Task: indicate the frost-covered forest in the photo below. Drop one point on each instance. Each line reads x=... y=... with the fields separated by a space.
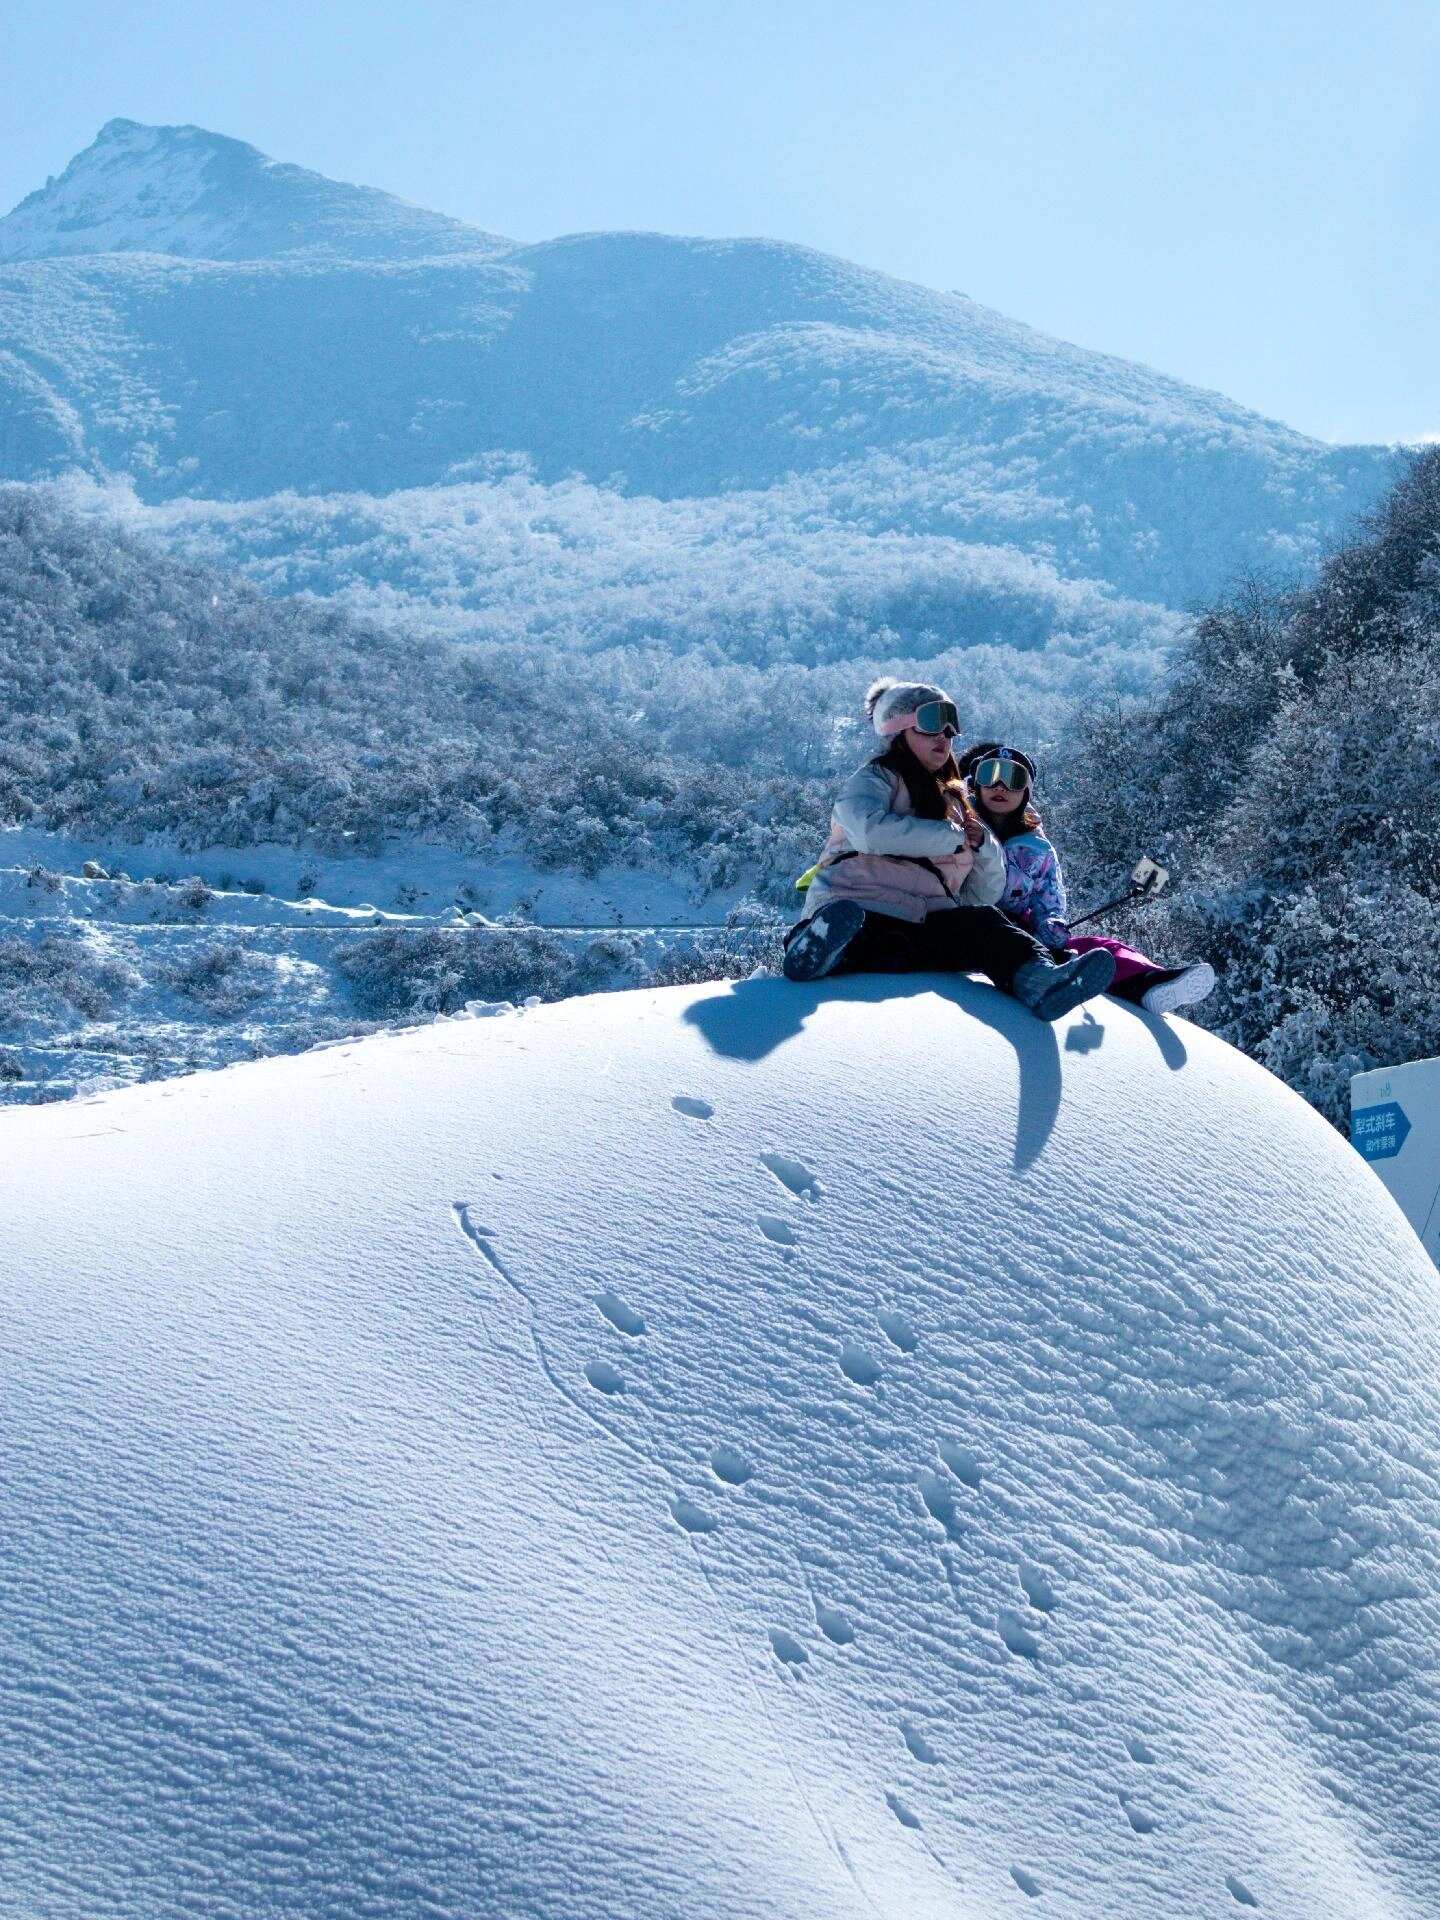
x=1290 y=775
x=142 y=696
x=802 y=572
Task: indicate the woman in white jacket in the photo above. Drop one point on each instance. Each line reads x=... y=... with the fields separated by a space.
x=909 y=878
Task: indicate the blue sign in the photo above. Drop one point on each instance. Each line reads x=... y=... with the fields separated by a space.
x=1379 y=1132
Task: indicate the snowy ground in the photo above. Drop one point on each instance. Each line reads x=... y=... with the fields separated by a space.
x=183 y=960
x=409 y=880
x=727 y=1451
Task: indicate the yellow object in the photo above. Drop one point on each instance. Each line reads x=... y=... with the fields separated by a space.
x=809 y=874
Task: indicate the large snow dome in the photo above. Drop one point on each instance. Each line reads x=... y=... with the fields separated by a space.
x=731 y=1451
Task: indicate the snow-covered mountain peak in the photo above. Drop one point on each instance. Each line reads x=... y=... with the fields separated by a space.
x=201 y=195
x=651 y=365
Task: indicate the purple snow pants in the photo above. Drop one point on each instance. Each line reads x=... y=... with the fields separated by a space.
x=1130 y=965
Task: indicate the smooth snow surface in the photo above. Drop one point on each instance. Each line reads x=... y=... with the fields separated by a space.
x=729 y=1451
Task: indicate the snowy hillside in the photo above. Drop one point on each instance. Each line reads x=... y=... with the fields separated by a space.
x=171 y=964
x=645 y=364
x=181 y=190
x=722 y=1452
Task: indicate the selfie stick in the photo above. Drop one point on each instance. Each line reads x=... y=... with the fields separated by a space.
x=1146 y=880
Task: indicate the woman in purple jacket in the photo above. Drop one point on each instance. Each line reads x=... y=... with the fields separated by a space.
x=999 y=781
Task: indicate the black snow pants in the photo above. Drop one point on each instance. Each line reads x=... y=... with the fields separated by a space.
x=950 y=940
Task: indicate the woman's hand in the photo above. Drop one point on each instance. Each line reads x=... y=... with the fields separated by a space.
x=974 y=833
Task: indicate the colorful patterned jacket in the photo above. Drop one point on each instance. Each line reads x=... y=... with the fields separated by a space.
x=1035 y=889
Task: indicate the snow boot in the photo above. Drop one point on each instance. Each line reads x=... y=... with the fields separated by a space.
x=817 y=944
x=1179 y=987
x=1051 y=991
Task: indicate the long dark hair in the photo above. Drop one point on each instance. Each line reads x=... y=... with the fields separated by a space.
x=1004 y=826
x=932 y=795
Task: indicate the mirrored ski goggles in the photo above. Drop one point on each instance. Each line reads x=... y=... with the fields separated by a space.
x=1001 y=773
x=937 y=716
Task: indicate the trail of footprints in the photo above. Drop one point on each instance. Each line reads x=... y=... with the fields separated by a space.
x=729 y=1466
x=860 y=1366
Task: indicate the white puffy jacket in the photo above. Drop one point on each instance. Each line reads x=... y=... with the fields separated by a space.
x=883 y=855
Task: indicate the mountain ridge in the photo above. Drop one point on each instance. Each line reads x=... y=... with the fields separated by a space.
x=190 y=193
x=645 y=364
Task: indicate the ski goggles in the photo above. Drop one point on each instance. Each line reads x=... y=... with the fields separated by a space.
x=998 y=772
x=936 y=716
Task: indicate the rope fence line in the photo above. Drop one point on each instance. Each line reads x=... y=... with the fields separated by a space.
x=403 y=926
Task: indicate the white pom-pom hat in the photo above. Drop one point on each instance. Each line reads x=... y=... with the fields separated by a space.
x=892 y=704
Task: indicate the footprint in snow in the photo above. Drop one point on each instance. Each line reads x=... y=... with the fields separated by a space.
x=920 y=1747
x=961 y=1462
x=1239 y=1891
x=1017 y=1638
x=1038 y=1590
x=901 y=1812
x=1026 y=1882
x=778 y=1230
x=730 y=1466
x=603 y=1377
x=833 y=1624
x=692 y=1518
x=624 y=1319
x=1138 y=1751
x=898 y=1332
x=792 y=1174
x=1141 y=1822
x=857 y=1365
x=940 y=1505
x=691 y=1108
x=786 y=1648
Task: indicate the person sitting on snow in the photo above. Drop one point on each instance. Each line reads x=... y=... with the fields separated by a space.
x=1000 y=782
x=909 y=877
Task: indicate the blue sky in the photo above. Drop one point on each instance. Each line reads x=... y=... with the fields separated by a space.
x=1244 y=196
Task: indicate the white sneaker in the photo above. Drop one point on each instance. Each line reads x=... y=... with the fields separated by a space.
x=1182 y=987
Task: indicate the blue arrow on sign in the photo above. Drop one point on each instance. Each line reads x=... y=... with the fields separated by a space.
x=1379 y=1132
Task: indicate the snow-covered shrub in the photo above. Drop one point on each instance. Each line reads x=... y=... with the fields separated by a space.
x=225 y=980
x=607 y=963
x=193 y=894
x=571 y=837
x=49 y=981
x=732 y=954
x=404 y=972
